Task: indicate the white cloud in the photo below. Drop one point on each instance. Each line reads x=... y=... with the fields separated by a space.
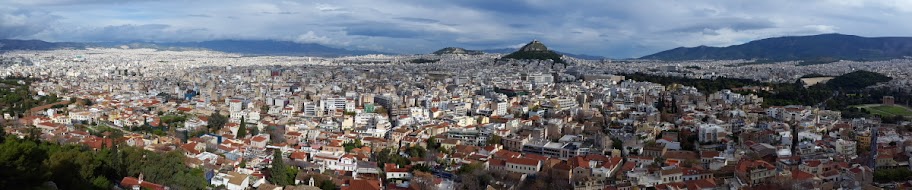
x=611 y=28
x=311 y=37
x=18 y=23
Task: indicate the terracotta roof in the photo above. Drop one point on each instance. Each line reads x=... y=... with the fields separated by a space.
x=129 y=182
x=830 y=173
x=299 y=155
x=801 y=175
x=672 y=185
x=672 y=171
x=745 y=165
x=523 y=161
x=190 y=147
x=389 y=167
x=535 y=157
x=612 y=162
x=628 y=166
x=578 y=161
x=259 y=138
x=701 y=184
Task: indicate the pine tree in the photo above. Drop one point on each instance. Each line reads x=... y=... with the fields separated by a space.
x=242 y=130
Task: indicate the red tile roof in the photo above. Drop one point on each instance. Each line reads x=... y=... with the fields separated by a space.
x=299 y=155
x=389 y=167
x=701 y=184
x=612 y=162
x=497 y=162
x=523 y=161
x=628 y=166
x=259 y=138
x=190 y=147
x=578 y=161
x=129 y=182
x=536 y=157
x=801 y=175
x=746 y=165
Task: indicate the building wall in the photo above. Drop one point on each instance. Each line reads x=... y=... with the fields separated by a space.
x=524 y=169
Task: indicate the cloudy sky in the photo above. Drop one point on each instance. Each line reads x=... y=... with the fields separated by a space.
x=617 y=29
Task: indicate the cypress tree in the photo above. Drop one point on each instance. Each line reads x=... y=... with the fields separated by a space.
x=242 y=130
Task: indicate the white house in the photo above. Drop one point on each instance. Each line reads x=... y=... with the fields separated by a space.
x=231 y=180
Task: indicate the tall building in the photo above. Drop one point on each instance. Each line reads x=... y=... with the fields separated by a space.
x=500 y=108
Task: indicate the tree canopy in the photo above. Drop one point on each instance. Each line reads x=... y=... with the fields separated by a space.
x=279 y=173
x=30 y=163
x=216 y=121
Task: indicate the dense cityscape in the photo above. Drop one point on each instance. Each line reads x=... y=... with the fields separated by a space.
x=452 y=121
x=455 y=95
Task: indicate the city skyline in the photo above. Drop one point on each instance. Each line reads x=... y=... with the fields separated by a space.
x=616 y=30
x=363 y=95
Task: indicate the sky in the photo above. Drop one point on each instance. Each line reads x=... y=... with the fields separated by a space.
x=611 y=28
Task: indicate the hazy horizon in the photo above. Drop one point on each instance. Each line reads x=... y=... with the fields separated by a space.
x=611 y=29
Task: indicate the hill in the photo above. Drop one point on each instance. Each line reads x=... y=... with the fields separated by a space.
x=810 y=48
x=856 y=80
x=267 y=47
x=9 y=45
x=535 y=50
x=248 y=47
x=457 y=51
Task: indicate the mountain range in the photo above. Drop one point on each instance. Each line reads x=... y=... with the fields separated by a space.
x=247 y=47
x=814 y=47
x=457 y=51
x=8 y=45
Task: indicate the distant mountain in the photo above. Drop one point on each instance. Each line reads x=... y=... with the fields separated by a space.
x=249 y=47
x=815 y=48
x=9 y=45
x=457 y=51
x=535 y=50
x=268 y=47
